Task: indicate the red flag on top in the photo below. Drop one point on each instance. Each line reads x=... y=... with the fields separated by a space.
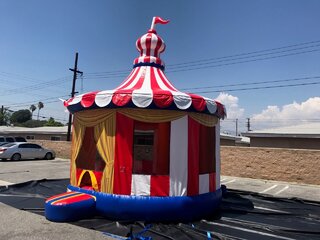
x=160 y=20
x=157 y=20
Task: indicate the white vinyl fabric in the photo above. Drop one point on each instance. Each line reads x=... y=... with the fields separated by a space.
x=179 y=157
x=140 y=185
x=203 y=183
x=218 y=155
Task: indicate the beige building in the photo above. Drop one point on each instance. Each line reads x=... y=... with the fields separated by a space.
x=306 y=136
x=60 y=134
x=39 y=133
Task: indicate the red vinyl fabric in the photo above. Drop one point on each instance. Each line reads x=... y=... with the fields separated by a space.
x=212 y=182
x=193 y=156
x=123 y=155
x=159 y=186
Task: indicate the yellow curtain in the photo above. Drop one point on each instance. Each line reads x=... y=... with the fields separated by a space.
x=77 y=136
x=94 y=117
x=104 y=134
x=204 y=119
x=150 y=115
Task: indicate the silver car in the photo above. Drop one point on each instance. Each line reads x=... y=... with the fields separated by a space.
x=23 y=150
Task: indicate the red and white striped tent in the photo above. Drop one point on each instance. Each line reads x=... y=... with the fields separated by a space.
x=146 y=138
x=147 y=86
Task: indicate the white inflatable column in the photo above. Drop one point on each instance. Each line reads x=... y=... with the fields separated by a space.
x=179 y=157
x=218 y=162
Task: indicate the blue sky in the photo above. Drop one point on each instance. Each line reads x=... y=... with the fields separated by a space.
x=38 y=41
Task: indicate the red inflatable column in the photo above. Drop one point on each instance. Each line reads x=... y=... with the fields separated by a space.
x=123 y=155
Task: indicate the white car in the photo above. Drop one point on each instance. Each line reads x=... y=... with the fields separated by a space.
x=24 y=150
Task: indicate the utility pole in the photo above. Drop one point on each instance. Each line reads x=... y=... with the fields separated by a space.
x=248 y=125
x=2 y=116
x=75 y=71
x=236 y=126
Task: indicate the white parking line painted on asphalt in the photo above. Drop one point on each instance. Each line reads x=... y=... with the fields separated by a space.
x=283 y=189
x=268 y=189
x=223 y=179
x=269 y=209
x=233 y=180
x=4 y=183
x=248 y=230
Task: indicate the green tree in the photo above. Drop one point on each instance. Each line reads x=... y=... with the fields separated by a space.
x=34 y=123
x=40 y=105
x=53 y=123
x=32 y=109
x=20 y=116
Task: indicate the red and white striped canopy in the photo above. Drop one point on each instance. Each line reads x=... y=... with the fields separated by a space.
x=147 y=87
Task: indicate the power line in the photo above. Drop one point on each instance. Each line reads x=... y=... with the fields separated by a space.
x=40 y=100
x=257 y=88
x=55 y=118
x=254 y=83
x=203 y=66
x=184 y=66
x=211 y=91
x=19 y=76
x=248 y=53
x=198 y=65
x=268 y=119
x=34 y=86
x=240 y=58
x=229 y=58
x=123 y=73
x=239 y=62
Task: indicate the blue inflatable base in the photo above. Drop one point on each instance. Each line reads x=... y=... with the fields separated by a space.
x=155 y=209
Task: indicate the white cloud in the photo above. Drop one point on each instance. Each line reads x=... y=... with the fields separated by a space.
x=290 y=114
x=231 y=104
x=234 y=111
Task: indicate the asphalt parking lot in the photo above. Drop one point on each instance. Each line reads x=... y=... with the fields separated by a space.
x=12 y=172
x=273 y=188
x=18 y=224
x=26 y=170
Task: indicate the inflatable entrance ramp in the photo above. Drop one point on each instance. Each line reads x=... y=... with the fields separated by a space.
x=70 y=206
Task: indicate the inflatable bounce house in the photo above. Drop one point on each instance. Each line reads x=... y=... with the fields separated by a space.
x=144 y=150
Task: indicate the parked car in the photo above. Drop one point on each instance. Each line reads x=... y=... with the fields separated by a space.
x=19 y=139
x=8 y=139
x=16 y=151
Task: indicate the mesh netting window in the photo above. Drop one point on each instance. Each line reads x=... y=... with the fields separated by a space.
x=207 y=158
x=151 y=143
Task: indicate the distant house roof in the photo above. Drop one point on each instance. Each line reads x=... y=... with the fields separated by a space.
x=37 y=130
x=244 y=140
x=229 y=137
x=309 y=130
x=239 y=140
